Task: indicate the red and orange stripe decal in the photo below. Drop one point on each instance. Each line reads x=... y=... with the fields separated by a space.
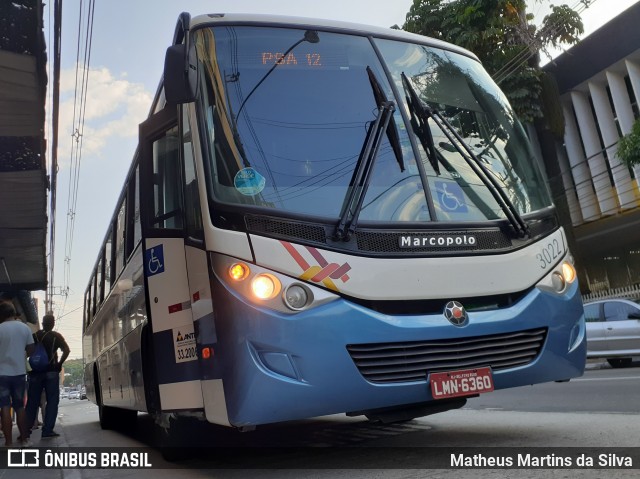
x=324 y=272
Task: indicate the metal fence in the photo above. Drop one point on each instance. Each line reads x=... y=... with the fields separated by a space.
x=626 y=292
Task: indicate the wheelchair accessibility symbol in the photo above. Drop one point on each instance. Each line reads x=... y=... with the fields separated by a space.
x=154 y=260
x=451 y=197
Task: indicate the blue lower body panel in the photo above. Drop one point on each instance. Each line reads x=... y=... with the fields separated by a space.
x=278 y=367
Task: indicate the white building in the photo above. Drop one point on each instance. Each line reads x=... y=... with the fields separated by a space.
x=599 y=82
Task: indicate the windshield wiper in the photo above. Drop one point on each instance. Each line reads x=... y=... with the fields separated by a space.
x=519 y=225
x=420 y=123
x=392 y=128
x=362 y=174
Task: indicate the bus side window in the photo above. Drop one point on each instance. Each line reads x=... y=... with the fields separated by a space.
x=100 y=279
x=108 y=261
x=167 y=209
x=192 y=210
x=120 y=229
x=87 y=307
x=137 y=231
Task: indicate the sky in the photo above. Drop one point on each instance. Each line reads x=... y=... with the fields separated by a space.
x=126 y=58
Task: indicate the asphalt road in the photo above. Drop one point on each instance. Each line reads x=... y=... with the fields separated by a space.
x=602 y=390
x=598 y=411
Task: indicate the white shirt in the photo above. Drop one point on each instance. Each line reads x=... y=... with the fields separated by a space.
x=14 y=337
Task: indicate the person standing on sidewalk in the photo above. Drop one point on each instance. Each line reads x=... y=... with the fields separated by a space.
x=16 y=341
x=48 y=380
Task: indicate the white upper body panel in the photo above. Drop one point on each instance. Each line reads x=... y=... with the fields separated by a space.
x=412 y=278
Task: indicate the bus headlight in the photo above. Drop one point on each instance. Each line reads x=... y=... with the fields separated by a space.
x=558 y=280
x=568 y=272
x=239 y=271
x=296 y=297
x=265 y=286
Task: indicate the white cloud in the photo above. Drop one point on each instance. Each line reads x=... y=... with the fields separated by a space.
x=112 y=111
x=114 y=108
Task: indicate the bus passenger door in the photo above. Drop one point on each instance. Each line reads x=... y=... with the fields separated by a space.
x=172 y=356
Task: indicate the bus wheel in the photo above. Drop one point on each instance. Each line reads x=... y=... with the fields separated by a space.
x=174 y=436
x=114 y=417
x=107 y=416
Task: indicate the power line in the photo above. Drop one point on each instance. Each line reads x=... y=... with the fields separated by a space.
x=83 y=50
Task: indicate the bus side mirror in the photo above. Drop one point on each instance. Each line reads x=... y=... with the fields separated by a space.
x=180 y=74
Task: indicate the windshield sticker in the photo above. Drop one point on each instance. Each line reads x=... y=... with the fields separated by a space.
x=451 y=197
x=249 y=182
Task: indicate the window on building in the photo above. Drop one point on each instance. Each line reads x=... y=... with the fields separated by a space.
x=632 y=97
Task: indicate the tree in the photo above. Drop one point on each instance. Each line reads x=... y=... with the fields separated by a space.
x=508 y=43
x=73 y=372
x=629 y=146
x=502 y=35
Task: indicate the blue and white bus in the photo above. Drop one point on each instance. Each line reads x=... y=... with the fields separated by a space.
x=324 y=217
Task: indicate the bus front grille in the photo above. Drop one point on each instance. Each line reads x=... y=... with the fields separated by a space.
x=413 y=361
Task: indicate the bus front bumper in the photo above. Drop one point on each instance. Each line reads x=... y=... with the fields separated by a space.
x=276 y=367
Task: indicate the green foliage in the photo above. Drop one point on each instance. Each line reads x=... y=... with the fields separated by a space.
x=629 y=146
x=502 y=35
x=561 y=26
x=73 y=372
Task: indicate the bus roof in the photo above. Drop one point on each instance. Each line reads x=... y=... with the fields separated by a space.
x=304 y=22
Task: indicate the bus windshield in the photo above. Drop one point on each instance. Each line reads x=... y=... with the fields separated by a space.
x=288 y=112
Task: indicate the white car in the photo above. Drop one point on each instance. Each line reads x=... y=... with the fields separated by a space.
x=74 y=394
x=613 y=330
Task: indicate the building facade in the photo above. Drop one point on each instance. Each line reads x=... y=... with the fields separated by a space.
x=599 y=84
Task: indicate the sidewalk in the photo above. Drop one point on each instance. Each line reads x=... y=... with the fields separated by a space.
x=36 y=438
x=37 y=441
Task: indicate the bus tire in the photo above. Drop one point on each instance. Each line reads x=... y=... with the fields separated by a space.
x=113 y=417
x=117 y=418
x=107 y=417
x=174 y=437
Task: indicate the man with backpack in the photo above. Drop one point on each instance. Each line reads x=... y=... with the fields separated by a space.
x=46 y=377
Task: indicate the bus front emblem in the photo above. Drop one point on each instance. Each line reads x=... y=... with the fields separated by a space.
x=455 y=313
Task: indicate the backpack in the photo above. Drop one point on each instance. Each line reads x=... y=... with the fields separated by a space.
x=39 y=360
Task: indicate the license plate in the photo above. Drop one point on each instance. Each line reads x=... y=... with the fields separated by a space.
x=468 y=382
